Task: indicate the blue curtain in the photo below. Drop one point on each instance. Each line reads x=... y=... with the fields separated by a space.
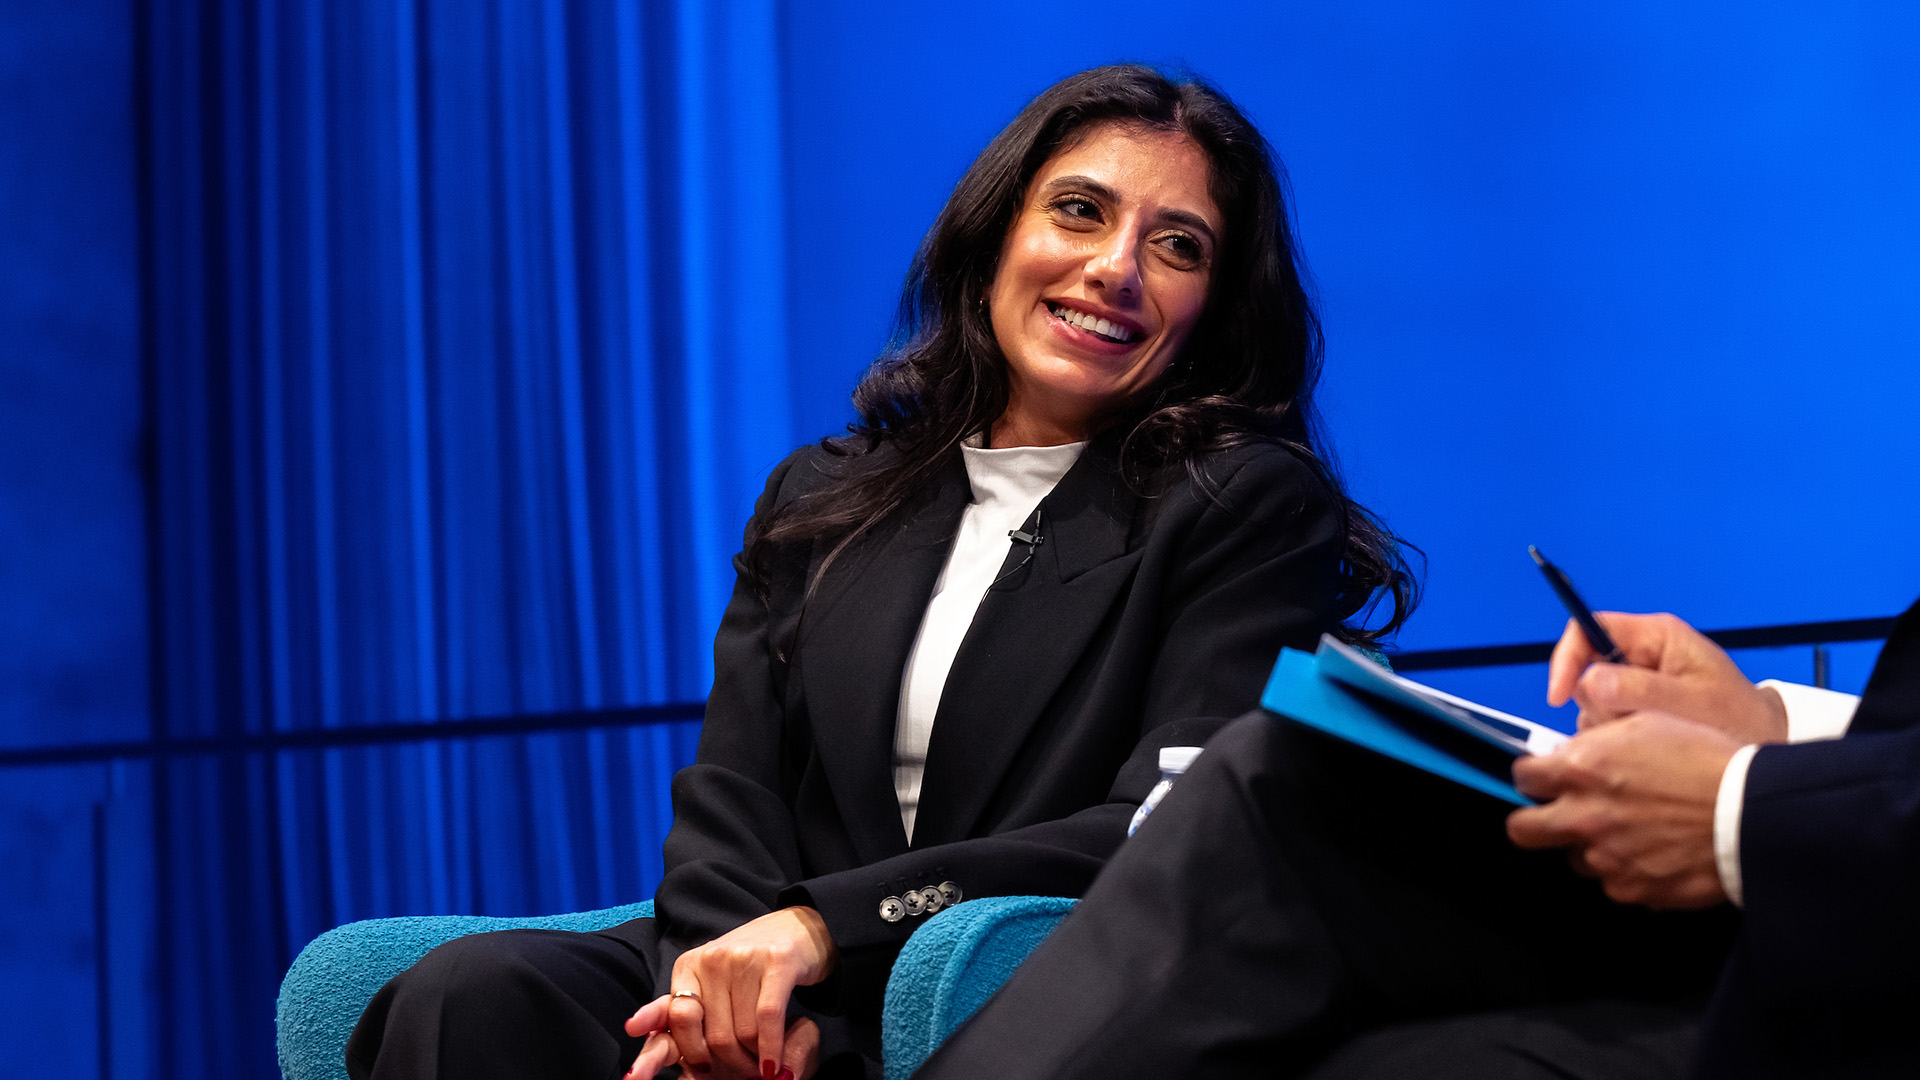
x=466 y=346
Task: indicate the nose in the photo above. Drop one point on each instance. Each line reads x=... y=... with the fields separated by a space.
x=1114 y=268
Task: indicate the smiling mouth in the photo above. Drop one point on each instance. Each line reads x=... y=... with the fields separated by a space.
x=1094 y=325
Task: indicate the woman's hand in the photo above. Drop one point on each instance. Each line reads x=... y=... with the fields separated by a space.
x=726 y=1011
x=800 y=1052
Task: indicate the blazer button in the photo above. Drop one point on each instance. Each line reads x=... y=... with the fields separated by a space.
x=913 y=901
x=934 y=898
x=949 y=892
x=892 y=910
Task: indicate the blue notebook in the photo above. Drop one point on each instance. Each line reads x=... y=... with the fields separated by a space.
x=1339 y=691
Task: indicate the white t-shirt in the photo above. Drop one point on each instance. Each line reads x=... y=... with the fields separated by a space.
x=1007 y=485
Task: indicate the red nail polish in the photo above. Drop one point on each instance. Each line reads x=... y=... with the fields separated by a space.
x=784 y=1074
x=767 y=1070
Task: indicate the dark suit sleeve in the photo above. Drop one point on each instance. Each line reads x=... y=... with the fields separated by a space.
x=1830 y=862
x=1247 y=568
x=732 y=845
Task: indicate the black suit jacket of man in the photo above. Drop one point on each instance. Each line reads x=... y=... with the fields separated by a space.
x=1138 y=621
x=1825 y=980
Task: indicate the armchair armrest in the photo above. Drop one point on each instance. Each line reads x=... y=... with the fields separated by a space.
x=952 y=965
x=334 y=977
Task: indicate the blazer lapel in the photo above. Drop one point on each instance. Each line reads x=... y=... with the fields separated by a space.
x=854 y=639
x=1029 y=632
x=1892 y=695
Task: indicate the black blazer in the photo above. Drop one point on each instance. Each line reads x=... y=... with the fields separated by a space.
x=1138 y=622
x=1825 y=980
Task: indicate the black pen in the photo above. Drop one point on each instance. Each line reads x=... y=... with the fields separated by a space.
x=1590 y=626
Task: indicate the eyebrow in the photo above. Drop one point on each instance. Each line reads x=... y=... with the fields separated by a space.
x=1101 y=191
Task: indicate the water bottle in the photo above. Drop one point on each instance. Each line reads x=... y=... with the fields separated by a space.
x=1173 y=761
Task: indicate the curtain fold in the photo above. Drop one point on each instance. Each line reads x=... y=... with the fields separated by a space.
x=467 y=356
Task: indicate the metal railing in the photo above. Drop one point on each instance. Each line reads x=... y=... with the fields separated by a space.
x=1785 y=635
x=1817 y=634
x=351 y=735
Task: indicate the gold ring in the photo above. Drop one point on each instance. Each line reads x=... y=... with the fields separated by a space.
x=687 y=994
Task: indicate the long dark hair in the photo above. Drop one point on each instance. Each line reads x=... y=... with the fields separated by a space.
x=1246 y=374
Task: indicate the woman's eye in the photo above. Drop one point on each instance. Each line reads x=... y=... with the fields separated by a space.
x=1075 y=207
x=1184 y=249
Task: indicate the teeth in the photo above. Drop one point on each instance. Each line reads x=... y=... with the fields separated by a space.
x=1092 y=324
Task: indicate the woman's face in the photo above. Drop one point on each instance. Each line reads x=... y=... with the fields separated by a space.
x=1102 y=277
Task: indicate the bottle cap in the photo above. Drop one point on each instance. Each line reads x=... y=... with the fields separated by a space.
x=1175 y=759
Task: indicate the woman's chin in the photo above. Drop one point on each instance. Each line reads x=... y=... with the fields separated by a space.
x=1095 y=390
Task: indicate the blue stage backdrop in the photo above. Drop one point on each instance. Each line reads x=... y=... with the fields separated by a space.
x=468 y=352
x=465 y=333
x=73 y=591
x=1634 y=283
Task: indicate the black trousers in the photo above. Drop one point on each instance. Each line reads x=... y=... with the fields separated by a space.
x=528 y=1004
x=542 y=1005
x=1298 y=904
x=1592 y=1040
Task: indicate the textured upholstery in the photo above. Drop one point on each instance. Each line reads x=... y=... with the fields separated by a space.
x=952 y=965
x=335 y=976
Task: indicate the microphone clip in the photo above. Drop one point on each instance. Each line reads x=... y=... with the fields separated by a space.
x=1032 y=539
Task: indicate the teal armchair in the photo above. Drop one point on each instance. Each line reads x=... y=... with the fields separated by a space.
x=948 y=969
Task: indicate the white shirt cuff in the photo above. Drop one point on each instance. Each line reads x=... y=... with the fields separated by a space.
x=1813 y=713
x=1726 y=823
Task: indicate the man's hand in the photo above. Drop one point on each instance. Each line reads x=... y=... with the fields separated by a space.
x=726 y=1013
x=1671 y=668
x=1634 y=801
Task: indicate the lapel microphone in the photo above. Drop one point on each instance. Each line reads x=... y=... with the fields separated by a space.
x=1033 y=539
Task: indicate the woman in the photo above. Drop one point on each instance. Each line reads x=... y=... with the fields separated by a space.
x=1080 y=514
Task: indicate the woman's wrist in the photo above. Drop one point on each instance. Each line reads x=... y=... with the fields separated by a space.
x=816 y=929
